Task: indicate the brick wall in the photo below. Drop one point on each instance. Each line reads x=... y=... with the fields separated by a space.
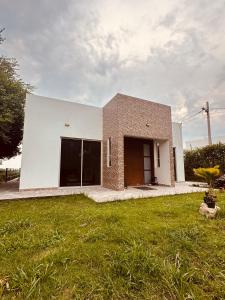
x=129 y=116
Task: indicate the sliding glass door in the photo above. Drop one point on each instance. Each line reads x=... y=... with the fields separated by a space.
x=91 y=163
x=70 y=162
x=80 y=162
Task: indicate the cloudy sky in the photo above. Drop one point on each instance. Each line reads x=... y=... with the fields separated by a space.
x=168 y=51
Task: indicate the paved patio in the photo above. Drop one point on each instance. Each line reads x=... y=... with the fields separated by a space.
x=98 y=194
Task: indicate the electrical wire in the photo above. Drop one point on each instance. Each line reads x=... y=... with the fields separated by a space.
x=191 y=116
x=188 y=114
x=217 y=113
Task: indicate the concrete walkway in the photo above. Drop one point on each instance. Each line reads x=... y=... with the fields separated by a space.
x=100 y=194
x=105 y=195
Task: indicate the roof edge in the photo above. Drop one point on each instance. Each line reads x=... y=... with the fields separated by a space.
x=136 y=98
x=62 y=100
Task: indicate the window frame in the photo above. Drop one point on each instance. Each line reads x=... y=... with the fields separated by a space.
x=109 y=152
x=158 y=155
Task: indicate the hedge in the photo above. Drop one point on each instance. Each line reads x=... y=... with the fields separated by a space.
x=204 y=157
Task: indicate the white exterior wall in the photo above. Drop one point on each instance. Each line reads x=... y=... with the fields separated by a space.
x=163 y=172
x=178 y=144
x=44 y=125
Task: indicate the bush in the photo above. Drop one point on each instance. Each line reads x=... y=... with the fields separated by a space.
x=204 y=157
x=220 y=182
x=208 y=174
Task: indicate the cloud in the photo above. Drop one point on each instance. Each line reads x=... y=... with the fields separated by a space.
x=169 y=51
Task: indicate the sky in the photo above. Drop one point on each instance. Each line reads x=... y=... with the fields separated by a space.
x=167 y=51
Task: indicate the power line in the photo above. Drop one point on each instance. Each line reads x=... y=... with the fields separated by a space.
x=187 y=115
x=187 y=118
x=217 y=108
x=208 y=111
x=218 y=111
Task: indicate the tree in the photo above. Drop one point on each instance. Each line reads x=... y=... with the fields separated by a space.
x=1 y=38
x=12 y=98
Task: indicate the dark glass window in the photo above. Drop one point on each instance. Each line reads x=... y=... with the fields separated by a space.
x=175 y=163
x=80 y=162
x=147 y=163
x=91 y=163
x=158 y=155
x=70 y=173
x=109 y=152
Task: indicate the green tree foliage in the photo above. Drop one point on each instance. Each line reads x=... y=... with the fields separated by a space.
x=205 y=157
x=12 y=98
x=1 y=37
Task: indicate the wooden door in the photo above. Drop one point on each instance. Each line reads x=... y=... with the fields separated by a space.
x=133 y=162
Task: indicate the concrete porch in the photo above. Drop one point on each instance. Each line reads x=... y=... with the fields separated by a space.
x=100 y=194
x=106 y=195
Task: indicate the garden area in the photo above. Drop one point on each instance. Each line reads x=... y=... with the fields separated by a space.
x=73 y=248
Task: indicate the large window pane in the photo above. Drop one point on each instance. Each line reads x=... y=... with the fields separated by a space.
x=146 y=150
x=147 y=177
x=147 y=163
x=91 y=163
x=70 y=173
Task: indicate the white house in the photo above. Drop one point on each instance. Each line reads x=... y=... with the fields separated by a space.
x=129 y=141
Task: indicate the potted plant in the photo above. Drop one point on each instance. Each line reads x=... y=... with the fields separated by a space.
x=209 y=175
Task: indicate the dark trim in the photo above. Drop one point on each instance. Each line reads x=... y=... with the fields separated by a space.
x=175 y=163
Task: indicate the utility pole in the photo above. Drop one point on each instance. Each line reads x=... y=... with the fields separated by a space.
x=206 y=109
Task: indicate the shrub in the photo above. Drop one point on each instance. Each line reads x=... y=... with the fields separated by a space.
x=205 y=157
x=208 y=174
x=220 y=182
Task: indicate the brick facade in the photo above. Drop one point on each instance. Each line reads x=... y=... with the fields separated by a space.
x=133 y=117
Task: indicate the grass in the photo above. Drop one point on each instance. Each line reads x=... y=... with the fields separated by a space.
x=72 y=248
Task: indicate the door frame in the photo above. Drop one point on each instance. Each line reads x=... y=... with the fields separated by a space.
x=82 y=141
x=152 y=155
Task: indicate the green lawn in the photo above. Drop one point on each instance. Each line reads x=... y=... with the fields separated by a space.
x=72 y=248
